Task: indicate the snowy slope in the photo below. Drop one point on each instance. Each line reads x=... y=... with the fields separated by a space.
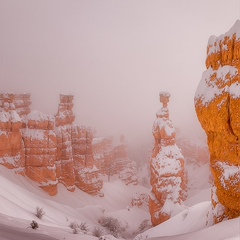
x=19 y=198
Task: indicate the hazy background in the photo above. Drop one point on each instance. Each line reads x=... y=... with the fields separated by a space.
x=114 y=56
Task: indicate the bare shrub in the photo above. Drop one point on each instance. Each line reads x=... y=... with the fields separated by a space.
x=113 y=225
x=83 y=227
x=144 y=225
x=34 y=225
x=75 y=227
x=97 y=232
x=39 y=212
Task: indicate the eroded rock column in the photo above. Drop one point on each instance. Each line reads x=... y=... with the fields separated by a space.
x=64 y=163
x=167 y=166
x=11 y=144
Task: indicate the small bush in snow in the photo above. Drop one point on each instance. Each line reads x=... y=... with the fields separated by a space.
x=97 y=232
x=34 y=224
x=102 y=238
x=83 y=227
x=113 y=225
x=75 y=227
x=39 y=212
x=144 y=225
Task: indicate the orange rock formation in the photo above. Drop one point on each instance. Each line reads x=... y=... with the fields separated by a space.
x=47 y=149
x=113 y=160
x=217 y=101
x=11 y=144
x=85 y=170
x=104 y=155
x=40 y=151
x=64 y=120
x=168 y=176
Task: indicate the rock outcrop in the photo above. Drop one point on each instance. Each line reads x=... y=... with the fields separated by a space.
x=40 y=146
x=64 y=163
x=217 y=101
x=85 y=170
x=104 y=155
x=167 y=166
x=11 y=144
x=51 y=150
x=113 y=160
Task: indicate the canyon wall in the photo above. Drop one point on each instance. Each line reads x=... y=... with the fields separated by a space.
x=49 y=150
x=217 y=102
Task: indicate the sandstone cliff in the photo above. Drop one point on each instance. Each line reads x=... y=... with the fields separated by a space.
x=49 y=150
x=40 y=151
x=167 y=166
x=217 y=102
x=85 y=170
x=11 y=144
x=64 y=163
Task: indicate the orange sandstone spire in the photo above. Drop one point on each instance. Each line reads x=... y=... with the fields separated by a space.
x=168 y=176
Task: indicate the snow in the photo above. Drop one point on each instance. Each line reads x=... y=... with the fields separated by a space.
x=209 y=88
x=38 y=116
x=229 y=173
x=214 y=42
x=10 y=116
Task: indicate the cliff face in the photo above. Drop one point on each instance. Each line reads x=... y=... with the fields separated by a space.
x=64 y=120
x=167 y=166
x=104 y=155
x=11 y=144
x=217 y=101
x=49 y=150
x=40 y=151
x=85 y=170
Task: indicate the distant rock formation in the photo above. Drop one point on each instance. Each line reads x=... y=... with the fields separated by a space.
x=192 y=151
x=167 y=166
x=217 y=102
x=113 y=160
x=85 y=169
x=104 y=155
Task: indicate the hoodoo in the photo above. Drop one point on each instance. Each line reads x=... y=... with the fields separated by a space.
x=167 y=166
x=217 y=102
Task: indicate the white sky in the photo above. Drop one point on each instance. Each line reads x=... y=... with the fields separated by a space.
x=114 y=56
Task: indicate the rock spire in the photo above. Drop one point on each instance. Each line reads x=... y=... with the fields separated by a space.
x=167 y=166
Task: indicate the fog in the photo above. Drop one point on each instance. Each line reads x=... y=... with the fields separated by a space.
x=113 y=56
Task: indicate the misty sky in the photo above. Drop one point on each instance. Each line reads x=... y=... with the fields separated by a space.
x=114 y=56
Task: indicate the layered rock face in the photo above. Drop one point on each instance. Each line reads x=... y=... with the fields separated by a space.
x=75 y=160
x=167 y=166
x=85 y=170
x=64 y=163
x=11 y=144
x=217 y=102
x=104 y=155
x=40 y=151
